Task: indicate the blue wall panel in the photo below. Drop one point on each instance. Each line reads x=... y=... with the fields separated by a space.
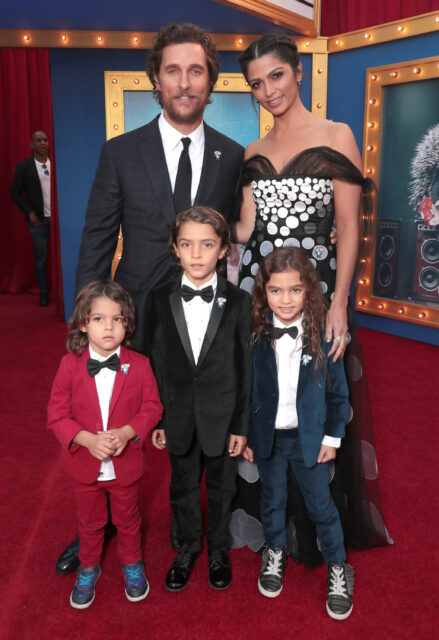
x=346 y=90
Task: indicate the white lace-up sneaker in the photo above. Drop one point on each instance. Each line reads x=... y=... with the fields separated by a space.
x=340 y=588
x=271 y=577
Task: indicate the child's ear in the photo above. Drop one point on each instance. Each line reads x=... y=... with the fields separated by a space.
x=222 y=252
x=175 y=249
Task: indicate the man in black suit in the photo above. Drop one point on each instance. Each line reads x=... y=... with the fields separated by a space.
x=135 y=180
x=30 y=191
x=139 y=185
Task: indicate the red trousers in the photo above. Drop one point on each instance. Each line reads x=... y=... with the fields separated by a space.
x=91 y=502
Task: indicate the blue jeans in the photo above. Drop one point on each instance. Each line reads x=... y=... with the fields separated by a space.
x=40 y=243
x=314 y=485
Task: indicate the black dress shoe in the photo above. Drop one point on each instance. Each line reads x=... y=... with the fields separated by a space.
x=220 y=571
x=178 y=575
x=44 y=300
x=68 y=562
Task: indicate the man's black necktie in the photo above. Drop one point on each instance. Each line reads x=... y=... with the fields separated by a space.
x=187 y=293
x=278 y=332
x=183 y=180
x=94 y=366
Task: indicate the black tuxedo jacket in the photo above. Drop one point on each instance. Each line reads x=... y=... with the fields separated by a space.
x=132 y=188
x=26 y=188
x=210 y=398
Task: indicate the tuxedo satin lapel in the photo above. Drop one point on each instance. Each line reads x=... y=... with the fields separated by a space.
x=180 y=321
x=306 y=368
x=90 y=385
x=119 y=380
x=218 y=307
x=153 y=155
x=211 y=166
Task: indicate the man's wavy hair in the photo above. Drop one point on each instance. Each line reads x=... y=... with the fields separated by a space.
x=203 y=215
x=180 y=34
x=77 y=340
x=314 y=311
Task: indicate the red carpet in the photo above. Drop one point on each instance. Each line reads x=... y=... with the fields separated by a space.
x=396 y=592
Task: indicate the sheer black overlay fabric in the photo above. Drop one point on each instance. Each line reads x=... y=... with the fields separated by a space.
x=295 y=208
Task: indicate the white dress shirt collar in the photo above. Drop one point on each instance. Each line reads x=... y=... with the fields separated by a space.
x=98 y=357
x=171 y=137
x=213 y=282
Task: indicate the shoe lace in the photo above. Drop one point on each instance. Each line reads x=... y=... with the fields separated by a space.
x=85 y=581
x=183 y=559
x=337 y=582
x=274 y=563
x=134 y=575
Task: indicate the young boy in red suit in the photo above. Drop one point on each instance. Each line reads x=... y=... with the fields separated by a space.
x=103 y=403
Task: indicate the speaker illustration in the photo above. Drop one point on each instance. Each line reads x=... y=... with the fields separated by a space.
x=426 y=267
x=386 y=257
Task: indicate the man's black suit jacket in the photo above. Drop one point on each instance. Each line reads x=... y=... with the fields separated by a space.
x=132 y=188
x=26 y=181
x=210 y=398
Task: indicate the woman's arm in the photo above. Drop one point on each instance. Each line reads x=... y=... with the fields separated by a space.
x=347 y=205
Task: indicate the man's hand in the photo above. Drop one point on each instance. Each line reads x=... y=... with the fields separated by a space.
x=34 y=219
x=248 y=454
x=120 y=437
x=158 y=439
x=326 y=453
x=236 y=445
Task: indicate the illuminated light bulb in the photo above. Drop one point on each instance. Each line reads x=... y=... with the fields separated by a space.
x=337 y=42
x=225 y=82
x=63 y=38
x=381 y=306
x=307 y=43
x=374 y=77
x=371 y=125
x=135 y=39
x=369 y=147
x=115 y=104
x=114 y=81
x=240 y=41
x=136 y=81
x=421 y=315
x=401 y=310
x=320 y=70
x=437 y=19
x=99 y=39
x=416 y=70
x=362 y=303
x=363 y=281
x=319 y=105
x=372 y=101
x=363 y=260
x=367 y=36
x=116 y=126
x=26 y=38
x=120 y=236
x=267 y=127
x=119 y=257
x=393 y=74
x=370 y=171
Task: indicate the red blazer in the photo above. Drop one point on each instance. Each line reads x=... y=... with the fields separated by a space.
x=74 y=405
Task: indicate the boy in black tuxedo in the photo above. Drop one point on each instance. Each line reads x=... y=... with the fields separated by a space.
x=197 y=335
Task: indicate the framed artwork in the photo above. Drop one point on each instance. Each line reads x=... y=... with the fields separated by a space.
x=398 y=274
x=302 y=16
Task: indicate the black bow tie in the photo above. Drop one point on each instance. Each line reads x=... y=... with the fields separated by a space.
x=187 y=293
x=94 y=366
x=277 y=332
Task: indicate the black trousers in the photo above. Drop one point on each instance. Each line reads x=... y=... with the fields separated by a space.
x=184 y=495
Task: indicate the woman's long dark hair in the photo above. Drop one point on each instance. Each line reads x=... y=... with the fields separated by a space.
x=314 y=311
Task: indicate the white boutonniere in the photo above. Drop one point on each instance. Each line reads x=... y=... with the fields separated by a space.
x=220 y=302
x=125 y=368
x=305 y=359
x=217 y=154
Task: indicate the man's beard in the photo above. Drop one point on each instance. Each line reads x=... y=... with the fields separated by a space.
x=187 y=117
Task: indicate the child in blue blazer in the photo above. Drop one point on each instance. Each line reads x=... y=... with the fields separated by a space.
x=299 y=405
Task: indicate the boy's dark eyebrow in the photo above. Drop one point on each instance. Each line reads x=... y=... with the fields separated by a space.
x=202 y=239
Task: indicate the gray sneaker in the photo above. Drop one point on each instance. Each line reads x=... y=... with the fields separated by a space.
x=340 y=588
x=271 y=577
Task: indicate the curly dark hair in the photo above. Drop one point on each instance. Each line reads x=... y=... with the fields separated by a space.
x=77 y=340
x=203 y=215
x=279 y=45
x=314 y=311
x=179 y=34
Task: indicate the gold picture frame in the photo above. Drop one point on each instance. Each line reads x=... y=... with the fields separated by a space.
x=404 y=308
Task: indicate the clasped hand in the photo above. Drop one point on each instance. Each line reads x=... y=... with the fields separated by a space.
x=110 y=443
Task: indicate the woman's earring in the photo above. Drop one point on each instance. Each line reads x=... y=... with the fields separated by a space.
x=299 y=83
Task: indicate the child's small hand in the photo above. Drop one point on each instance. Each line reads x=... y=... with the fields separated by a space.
x=120 y=438
x=236 y=445
x=158 y=438
x=326 y=453
x=100 y=445
x=248 y=454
